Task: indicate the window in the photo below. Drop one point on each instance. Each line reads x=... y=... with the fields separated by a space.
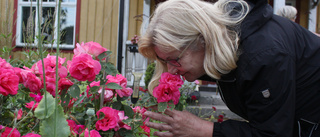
x=27 y=23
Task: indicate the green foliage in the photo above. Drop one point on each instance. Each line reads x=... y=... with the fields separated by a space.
x=149 y=73
x=47 y=126
x=45 y=108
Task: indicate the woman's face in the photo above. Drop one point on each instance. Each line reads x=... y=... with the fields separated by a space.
x=191 y=62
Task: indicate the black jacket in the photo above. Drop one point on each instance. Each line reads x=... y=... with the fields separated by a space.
x=276 y=86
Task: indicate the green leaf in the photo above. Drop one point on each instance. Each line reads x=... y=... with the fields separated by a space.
x=47 y=125
x=117 y=105
x=113 y=86
x=126 y=133
x=162 y=106
x=171 y=106
x=111 y=69
x=65 y=99
x=121 y=98
x=128 y=111
x=74 y=91
x=104 y=55
x=94 y=90
x=41 y=112
x=79 y=100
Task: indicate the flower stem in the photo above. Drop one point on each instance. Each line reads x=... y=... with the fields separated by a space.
x=41 y=56
x=57 y=76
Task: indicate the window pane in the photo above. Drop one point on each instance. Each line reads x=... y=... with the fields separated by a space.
x=52 y=0
x=44 y=0
x=67 y=17
x=25 y=0
x=47 y=24
x=27 y=25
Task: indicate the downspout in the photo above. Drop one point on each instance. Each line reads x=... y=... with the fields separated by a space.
x=125 y=35
x=120 y=35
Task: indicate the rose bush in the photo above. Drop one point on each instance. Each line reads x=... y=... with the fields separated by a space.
x=92 y=97
x=28 y=97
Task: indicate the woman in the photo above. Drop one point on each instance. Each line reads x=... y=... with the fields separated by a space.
x=267 y=67
x=288 y=12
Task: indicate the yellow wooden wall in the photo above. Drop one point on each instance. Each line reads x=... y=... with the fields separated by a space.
x=99 y=23
x=6 y=19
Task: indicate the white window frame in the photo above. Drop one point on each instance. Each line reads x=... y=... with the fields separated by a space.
x=65 y=3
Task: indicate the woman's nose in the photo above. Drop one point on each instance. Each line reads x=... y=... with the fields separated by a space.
x=172 y=69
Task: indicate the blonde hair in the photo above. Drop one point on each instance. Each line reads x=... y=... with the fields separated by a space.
x=175 y=23
x=288 y=12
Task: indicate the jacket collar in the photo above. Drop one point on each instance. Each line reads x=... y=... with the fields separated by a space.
x=260 y=12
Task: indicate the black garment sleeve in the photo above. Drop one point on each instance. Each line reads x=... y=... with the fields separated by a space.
x=270 y=71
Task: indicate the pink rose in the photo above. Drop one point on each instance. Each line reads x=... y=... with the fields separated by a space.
x=36 y=97
x=20 y=113
x=197 y=82
x=74 y=128
x=92 y=48
x=83 y=67
x=4 y=64
x=9 y=82
x=93 y=133
x=2 y=127
x=31 y=135
x=64 y=83
x=171 y=79
x=30 y=104
x=167 y=92
x=15 y=132
x=110 y=119
x=140 y=110
x=31 y=81
x=51 y=85
x=122 y=81
x=108 y=94
x=50 y=67
x=92 y=84
x=18 y=73
x=120 y=123
x=146 y=129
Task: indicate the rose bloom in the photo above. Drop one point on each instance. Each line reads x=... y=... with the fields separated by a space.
x=122 y=81
x=15 y=132
x=20 y=113
x=110 y=119
x=4 y=64
x=171 y=79
x=108 y=94
x=50 y=67
x=64 y=83
x=9 y=82
x=18 y=73
x=83 y=67
x=30 y=104
x=167 y=92
x=36 y=97
x=140 y=110
x=93 y=133
x=51 y=85
x=92 y=48
x=31 y=135
x=146 y=129
x=120 y=123
x=31 y=81
x=74 y=128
